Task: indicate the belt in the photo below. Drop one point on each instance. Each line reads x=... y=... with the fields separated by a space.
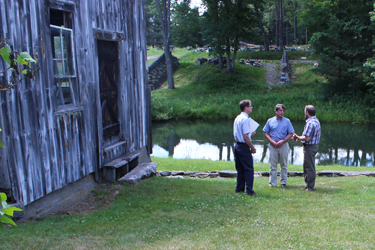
x=241 y=143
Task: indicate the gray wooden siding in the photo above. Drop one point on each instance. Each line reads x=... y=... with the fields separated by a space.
x=47 y=147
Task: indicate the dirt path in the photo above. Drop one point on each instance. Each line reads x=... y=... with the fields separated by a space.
x=272 y=76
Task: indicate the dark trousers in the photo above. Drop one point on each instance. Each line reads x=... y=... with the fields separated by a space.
x=245 y=169
x=309 y=152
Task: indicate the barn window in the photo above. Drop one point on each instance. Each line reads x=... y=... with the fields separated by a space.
x=63 y=56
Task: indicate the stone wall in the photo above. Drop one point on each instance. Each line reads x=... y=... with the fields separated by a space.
x=285 y=69
x=157 y=72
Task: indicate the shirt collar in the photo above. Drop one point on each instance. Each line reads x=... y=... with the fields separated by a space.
x=312 y=117
x=278 y=119
x=245 y=114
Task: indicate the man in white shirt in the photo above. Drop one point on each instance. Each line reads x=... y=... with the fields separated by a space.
x=243 y=149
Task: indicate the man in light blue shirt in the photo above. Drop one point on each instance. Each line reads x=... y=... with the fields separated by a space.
x=278 y=130
x=243 y=149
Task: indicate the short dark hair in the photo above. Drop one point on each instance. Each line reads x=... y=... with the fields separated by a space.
x=278 y=106
x=310 y=109
x=244 y=104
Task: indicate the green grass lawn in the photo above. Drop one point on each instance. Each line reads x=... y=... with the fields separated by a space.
x=170 y=164
x=170 y=213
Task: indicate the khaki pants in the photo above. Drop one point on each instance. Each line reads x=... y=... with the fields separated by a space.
x=278 y=155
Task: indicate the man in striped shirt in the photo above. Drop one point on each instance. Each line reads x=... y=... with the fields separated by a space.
x=310 y=139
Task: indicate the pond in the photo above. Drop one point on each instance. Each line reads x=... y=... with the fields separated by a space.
x=340 y=143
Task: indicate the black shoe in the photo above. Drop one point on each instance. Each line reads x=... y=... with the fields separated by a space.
x=252 y=194
x=239 y=192
x=283 y=185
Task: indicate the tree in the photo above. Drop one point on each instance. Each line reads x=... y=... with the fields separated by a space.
x=370 y=64
x=165 y=22
x=343 y=39
x=225 y=23
x=186 y=25
x=280 y=22
x=261 y=26
x=154 y=36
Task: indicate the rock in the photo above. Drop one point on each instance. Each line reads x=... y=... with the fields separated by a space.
x=189 y=173
x=228 y=173
x=213 y=174
x=177 y=173
x=165 y=173
x=200 y=175
x=332 y=173
x=142 y=171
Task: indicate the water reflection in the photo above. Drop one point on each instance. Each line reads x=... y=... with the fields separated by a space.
x=345 y=144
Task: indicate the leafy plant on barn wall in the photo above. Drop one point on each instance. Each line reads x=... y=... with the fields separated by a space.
x=19 y=64
x=7 y=211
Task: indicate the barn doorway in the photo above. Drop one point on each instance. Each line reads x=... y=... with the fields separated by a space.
x=108 y=78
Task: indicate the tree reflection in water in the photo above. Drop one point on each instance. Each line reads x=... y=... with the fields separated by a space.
x=346 y=144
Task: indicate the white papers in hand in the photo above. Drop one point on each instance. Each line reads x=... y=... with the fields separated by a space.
x=253 y=125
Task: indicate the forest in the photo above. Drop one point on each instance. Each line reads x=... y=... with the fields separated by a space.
x=340 y=33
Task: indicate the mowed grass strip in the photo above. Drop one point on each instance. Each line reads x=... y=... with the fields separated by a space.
x=171 y=213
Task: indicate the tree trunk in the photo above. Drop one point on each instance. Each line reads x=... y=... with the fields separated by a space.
x=166 y=30
x=221 y=65
x=277 y=25
x=168 y=62
x=234 y=58
x=264 y=34
x=229 y=65
x=287 y=34
x=281 y=44
x=295 y=22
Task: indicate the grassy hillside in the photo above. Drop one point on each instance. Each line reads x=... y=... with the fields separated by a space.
x=206 y=92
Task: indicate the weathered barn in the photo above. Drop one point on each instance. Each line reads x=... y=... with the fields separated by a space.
x=89 y=104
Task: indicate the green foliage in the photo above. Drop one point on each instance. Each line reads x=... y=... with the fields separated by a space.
x=17 y=62
x=5 y=52
x=225 y=24
x=1 y=144
x=7 y=211
x=343 y=40
x=205 y=92
x=186 y=25
x=154 y=37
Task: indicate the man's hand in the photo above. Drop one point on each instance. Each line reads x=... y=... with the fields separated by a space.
x=253 y=150
x=295 y=137
x=279 y=143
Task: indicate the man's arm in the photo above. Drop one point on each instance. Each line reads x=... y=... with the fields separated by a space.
x=268 y=137
x=304 y=138
x=281 y=142
x=249 y=143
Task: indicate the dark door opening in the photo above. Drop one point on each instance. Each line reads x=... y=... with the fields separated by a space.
x=108 y=77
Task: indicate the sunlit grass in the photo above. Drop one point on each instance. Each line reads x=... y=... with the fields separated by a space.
x=171 y=164
x=164 y=213
x=303 y=74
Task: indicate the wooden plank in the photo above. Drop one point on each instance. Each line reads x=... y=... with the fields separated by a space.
x=121 y=161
